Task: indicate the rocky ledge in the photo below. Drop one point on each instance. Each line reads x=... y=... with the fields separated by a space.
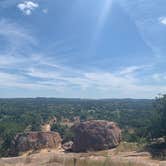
x=24 y=142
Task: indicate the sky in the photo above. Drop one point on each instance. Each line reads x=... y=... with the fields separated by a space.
x=82 y=48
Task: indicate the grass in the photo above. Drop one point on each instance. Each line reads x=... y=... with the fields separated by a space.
x=106 y=162
x=101 y=158
x=55 y=159
x=128 y=147
x=28 y=160
x=114 y=157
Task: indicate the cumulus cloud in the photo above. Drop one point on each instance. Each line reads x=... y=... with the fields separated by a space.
x=27 y=7
x=162 y=20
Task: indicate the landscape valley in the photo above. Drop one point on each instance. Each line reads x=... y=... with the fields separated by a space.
x=81 y=132
x=82 y=83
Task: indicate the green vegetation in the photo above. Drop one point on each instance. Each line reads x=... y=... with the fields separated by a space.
x=140 y=120
x=64 y=131
x=158 y=125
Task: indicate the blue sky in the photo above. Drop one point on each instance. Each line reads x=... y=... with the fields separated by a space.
x=82 y=48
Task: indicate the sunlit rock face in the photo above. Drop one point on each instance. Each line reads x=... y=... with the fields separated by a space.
x=95 y=135
x=46 y=128
x=24 y=142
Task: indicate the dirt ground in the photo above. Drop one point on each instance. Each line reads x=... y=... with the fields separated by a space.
x=60 y=158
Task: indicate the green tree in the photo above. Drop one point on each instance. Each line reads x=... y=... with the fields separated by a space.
x=7 y=132
x=65 y=132
x=158 y=128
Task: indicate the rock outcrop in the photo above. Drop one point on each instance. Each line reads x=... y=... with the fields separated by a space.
x=32 y=141
x=95 y=135
x=46 y=127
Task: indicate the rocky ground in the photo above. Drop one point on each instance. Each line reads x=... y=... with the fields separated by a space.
x=101 y=158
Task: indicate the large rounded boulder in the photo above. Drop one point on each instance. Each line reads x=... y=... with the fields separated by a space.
x=32 y=141
x=95 y=135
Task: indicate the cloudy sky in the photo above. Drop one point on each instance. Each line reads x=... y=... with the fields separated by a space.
x=82 y=48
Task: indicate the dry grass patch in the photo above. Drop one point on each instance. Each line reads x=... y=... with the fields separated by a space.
x=106 y=162
x=129 y=147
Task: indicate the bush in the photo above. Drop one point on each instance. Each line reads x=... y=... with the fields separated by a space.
x=65 y=132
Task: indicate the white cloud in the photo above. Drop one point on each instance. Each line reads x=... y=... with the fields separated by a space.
x=162 y=20
x=114 y=83
x=45 y=11
x=131 y=69
x=64 y=79
x=17 y=71
x=15 y=34
x=159 y=77
x=19 y=81
x=27 y=7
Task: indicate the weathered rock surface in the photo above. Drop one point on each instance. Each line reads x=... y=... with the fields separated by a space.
x=95 y=135
x=67 y=146
x=34 y=141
